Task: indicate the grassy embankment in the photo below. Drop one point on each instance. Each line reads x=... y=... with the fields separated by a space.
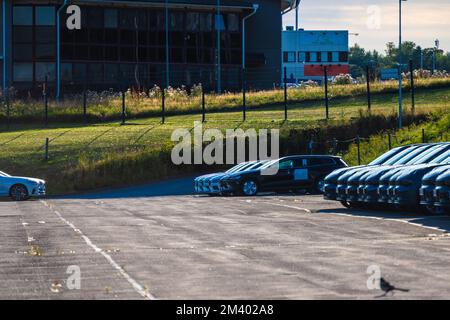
x=108 y=154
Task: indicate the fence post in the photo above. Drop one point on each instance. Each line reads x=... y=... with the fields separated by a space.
x=46 y=149
x=389 y=141
x=123 y=108
x=203 y=106
x=369 y=98
x=335 y=146
x=423 y=135
x=325 y=79
x=84 y=107
x=44 y=93
x=163 y=105
x=285 y=95
x=413 y=102
x=244 y=100
x=358 y=143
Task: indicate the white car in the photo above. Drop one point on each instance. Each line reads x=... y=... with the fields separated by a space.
x=20 y=188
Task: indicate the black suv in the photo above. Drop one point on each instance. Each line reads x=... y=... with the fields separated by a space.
x=288 y=173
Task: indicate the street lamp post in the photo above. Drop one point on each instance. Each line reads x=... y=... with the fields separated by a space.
x=219 y=62
x=166 y=21
x=400 y=79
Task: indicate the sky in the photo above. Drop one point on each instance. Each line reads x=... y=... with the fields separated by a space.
x=377 y=22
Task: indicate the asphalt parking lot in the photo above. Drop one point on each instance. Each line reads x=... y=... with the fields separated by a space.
x=160 y=242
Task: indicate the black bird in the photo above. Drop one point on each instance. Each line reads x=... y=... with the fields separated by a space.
x=389 y=288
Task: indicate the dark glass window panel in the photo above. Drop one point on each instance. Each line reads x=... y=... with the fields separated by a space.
x=141 y=20
x=126 y=72
x=235 y=41
x=143 y=54
x=208 y=56
x=67 y=36
x=192 y=39
x=95 y=72
x=79 y=72
x=45 y=69
x=343 y=56
x=45 y=34
x=45 y=51
x=127 y=54
x=161 y=21
x=319 y=57
x=23 y=71
x=236 y=57
x=143 y=38
x=23 y=34
x=96 y=36
x=127 y=19
x=152 y=54
x=67 y=52
x=45 y=16
x=192 y=55
x=111 y=18
x=127 y=37
x=111 y=73
x=233 y=22
x=111 y=54
x=176 y=39
x=208 y=40
x=66 y=71
x=23 y=15
x=192 y=21
x=81 y=36
x=153 y=39
x=23 y=52
x=81 y=52
x=308 y=57
x=162 y=38
x=177 y=55
x=161 y=55
x=95 y=18
x=152 y=20
x=206 y=22
x=96 y=53
x=111 y=36
x=176 y=21
x=330 y=56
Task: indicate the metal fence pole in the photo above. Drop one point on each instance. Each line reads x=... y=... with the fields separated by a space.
x=84 y=107
x=389 y=141
x=285 y=95
x=46 y=149
x=44 y=93
x=358 y=143
x=244 y=100
x=203 y=106
x=423 y=136
x=163 y=105
x=325 y=75
x=123 y=108
x=369 y=98
x=413 y=100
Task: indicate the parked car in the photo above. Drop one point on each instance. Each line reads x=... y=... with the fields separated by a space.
x=427 y=188
x=441 y=193
x=404 y=189
x=294 y=173
x=212 y=183
x=201 y=184
x=342 y=183
x=20 y=188
x=330 y=182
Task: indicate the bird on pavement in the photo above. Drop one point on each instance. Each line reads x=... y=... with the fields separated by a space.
x=389 y=288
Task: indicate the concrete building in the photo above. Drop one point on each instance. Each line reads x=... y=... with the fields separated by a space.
x=125 y=43
x=307 y=52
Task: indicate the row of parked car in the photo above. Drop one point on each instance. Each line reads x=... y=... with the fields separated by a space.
x=409 y=177
x=285 y=174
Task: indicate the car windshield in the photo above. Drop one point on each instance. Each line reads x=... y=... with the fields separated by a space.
x=443 y=158
x=269 y=164
x=385 y=157
x=237 y=167
x=430 y=154
x=4 y=174
x=402 y=154
x=246 y=167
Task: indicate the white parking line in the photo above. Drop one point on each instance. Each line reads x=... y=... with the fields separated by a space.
x=136 y=286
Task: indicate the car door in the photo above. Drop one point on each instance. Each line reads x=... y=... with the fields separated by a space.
x=4 y=186
x=283 y=179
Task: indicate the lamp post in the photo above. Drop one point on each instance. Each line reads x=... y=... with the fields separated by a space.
x=436 y=47
x=400 y=80
x=166 y=14
x=219 y=62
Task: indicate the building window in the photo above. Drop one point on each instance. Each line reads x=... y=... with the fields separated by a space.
x=307 y=56
x=330 y=56
x=23 y=15
x=23 y=72
x=289 y=56
x=343 y=56
x=110 y=18
x=45 y=16
x=319 y=56
x=302 y=56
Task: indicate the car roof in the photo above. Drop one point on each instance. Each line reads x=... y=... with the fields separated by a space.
x=310 y=156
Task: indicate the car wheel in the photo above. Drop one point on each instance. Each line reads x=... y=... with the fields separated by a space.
x=346 y=204
x=249 y=188
x=18 y=192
